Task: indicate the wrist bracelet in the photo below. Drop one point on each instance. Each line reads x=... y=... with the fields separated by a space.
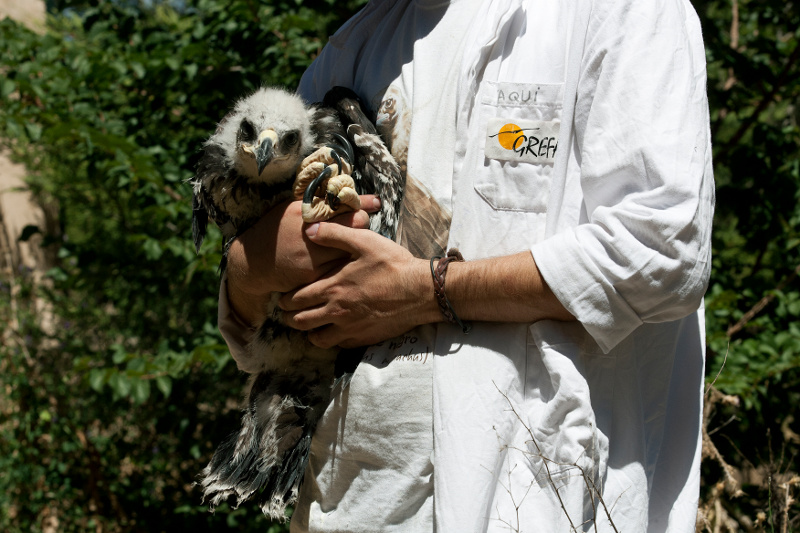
x=438 y=273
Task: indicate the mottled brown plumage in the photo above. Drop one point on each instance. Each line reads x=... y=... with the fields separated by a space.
x=248 y=166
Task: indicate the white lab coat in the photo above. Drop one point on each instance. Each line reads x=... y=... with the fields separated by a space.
x=553 y=426
x=620 y=230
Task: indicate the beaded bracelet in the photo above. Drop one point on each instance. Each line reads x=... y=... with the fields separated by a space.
x=438 y=273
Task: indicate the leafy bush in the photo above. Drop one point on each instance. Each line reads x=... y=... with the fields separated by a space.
x=110 y=413
x=753 y=303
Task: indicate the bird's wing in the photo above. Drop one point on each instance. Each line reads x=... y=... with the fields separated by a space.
x=211 y=166
x=377 y=171
x=380 y=172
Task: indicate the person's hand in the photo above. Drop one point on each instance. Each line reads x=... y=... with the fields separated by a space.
x=382 y=291
x=276 y=255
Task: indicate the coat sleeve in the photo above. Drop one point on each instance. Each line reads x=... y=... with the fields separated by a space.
x=642 y=250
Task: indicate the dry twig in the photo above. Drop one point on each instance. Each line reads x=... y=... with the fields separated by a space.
x=594 y=491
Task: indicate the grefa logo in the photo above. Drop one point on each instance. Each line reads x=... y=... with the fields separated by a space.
x=526 y=141
x=522 y=140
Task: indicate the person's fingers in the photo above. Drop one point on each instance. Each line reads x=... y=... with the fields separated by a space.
x=370 y=203
x=306 y=319
x=327 y=337
x=303 y=298
x=354 y=219
x=336 y=236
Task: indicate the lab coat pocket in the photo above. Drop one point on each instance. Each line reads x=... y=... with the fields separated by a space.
x=567 y=387
x=558 y=453
x=515 y=143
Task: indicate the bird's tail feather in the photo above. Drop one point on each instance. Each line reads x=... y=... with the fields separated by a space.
x=270 y=452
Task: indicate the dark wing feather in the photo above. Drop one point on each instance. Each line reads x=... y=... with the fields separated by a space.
x=210 y=167
x=199 y=222
x=350 y=108
x=325 y=122
x=377 y=170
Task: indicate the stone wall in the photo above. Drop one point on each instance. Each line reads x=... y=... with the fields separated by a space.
x=18 y=209
x=29 y=12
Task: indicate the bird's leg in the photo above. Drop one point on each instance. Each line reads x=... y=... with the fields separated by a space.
x=339 y=191
x=324 y=182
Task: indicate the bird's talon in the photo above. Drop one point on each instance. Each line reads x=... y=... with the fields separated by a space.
x=344 y=146
x=338 y=192
x=333 y=201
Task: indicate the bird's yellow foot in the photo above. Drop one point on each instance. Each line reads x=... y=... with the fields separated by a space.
x=338 y=195
x=324 y=183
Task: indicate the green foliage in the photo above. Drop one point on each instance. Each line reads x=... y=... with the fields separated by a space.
x=112 y=410
x=754 y=89
x=754 y=92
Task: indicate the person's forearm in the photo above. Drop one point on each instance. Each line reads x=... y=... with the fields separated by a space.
x=383 y=291
x=247 y=292
x=503 y=289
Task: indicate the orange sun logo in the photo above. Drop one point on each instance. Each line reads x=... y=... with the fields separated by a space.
x=508 y=135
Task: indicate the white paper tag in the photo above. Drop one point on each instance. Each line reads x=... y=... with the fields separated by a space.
x=529 y=141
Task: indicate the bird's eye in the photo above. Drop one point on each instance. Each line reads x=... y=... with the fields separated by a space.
x=291 y=138
x=247 y=131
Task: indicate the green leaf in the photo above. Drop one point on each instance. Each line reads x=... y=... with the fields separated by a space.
x=191 y=70
x=164 y=384
x=152 y=249
x=34 y=131
x=98 y=378
x=140 y=390
x=6 y=87
x=138 y=70
x=120 y=384
x=120 y=355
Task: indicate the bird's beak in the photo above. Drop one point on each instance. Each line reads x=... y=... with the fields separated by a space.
x=265 y=148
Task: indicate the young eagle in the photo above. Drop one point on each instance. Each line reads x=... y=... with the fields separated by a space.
x=272 y=147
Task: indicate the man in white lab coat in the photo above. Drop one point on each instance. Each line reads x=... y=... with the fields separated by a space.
x=563 y=148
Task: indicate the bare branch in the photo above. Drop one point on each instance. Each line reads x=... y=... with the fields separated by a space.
x=591 y=486
x=545 y=461
x=763 y=302
x=724 y=360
